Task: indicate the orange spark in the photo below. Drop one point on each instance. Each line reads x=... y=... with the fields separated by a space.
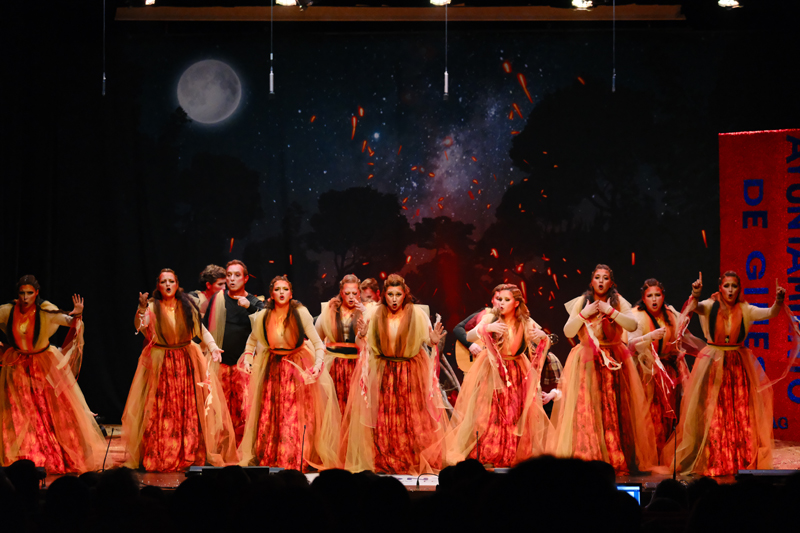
x=704 y=238
x=495 y=177
x=325 y=274
x=524 y=289
x=445 y=155
x=488 y=206
x=564 y=259
x=440 y=206
x=371 y=164
x=493 y=253
x=517 y=109
x=511 y=251
x=371 y=151
x=519 y=267
x=231 y=250
x=548 y=272
x=404 y=207
x=431 y=174
x=507 y=67
x=290 y=259
x=475 y=182
x=479 y=191
x=524 y=83
x=633 y=258
x=512 y=182
x=545 y=258
x=353 y=121
x=408 y=259
x=271 y=261
x=474 y=158
x=581 y=80
x=370 y=176
x=360 y=111
x=383 y=275
x=515 y=132
x=467 y=284
x=414 y=167
x=313 y=118
x=556 y=281
x=417 y=213
x=578 y=271
x=442 y=198
x=398 y=150
x=511 y=115
x=434 y=291
x=365 y=263
x=471 y=196
x=363 y=146
x=405 y=199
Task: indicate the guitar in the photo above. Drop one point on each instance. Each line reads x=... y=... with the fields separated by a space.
x=465 y=358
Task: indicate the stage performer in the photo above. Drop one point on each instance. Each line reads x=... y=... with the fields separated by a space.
x=501 y=398
x=551 y=371
x=293 y=420
x=213 y=278
x=228 y=321
x=175 y=416
x=660 y=358
x=726 y=413
x=370 y=291
x=337 y=326
x=602 y=414
x=395 y=422
x=42 y=410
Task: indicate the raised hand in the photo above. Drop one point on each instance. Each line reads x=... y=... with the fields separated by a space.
x=536 y=333
x=77 y=304
x=475 y=348
x=604 y=307
x=143 y=300
x=590 y=309
x=436 y=333
x=658 y=334
x=216 y=355
x=780 y=292
x=697 y=286
x=497 y=327
x=243 y=302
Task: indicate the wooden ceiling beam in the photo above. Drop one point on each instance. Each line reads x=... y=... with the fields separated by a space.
x=631 y=12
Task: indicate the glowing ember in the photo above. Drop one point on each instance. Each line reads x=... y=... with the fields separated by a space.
x=578 y=271
x=474 y=158
x=371 y=151
x=495 y=177
x=633 y=258
x=524 y=83
x=467 y=284
x=517 y=109
x=371 y=164
x=511 y=115
x=548 y=272
x=383 y=275
x=404 y=207
x=405 y=199
x=353 y=121
x=704 y=238
x=360 y=111
x=493 y=253
x=325 y=274
x=408 y=259
x=398 y=150
x=313 y=118
x=445 y=155
x=581 y=80
x=231 y=250
x=442 y=198
x=370 y=176
x=290 y=259
x=515 y=132
x=524 y=289
x=417 y=213
x=519 y=268
x=479 y=191
x=363 y=146
x=488 y=206
x=440 y=206
x=414 y=167
x=365 y=263
x=471 y=196
x=555 y=281
x=545 y=258
x=431 y=174
x=507 y=67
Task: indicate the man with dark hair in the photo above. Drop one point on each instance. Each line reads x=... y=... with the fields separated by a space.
x=213 y=278
x=228 y=321
x=370 y=291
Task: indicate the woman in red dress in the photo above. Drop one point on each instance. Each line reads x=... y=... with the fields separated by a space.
x=501 y=398
x=395 y=423
x=726 y=413
x=602 y=414
x=43 y=413
x=175 y=416
x=660 y=358
x=293 y=419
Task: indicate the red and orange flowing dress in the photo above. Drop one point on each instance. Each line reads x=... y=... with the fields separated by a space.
x=338 y=331
x=500 y=400
x=395 y=419
x=662 y=378
x=176 y=416
x=43 y=413
x=293 y=419
x=726 y=412
x=602 y=414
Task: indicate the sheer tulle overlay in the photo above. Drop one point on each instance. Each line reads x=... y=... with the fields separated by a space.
x=175 y=416
x=234 y=383
x=342 y=374
x=54 y=429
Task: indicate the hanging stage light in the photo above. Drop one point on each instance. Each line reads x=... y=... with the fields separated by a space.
x=729 y=4
x=582 y=5
x=440 y=2
x=149 y=2
x=446 y=76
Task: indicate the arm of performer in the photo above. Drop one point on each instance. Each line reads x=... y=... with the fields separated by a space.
x=638 y=342
x=534 y=331
x=249 y=353
x=311 y=332
x=694 y=304
x=211 y=346
x=436 y=332
x=139 y=319
x=760 y=313
x=460 y=332
x=582 y=311
x=318 y=327
x=623 y=319
x=63 y=319
x=492 y=326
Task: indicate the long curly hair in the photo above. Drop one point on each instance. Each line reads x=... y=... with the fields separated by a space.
x=641 y=306
x=396 y=280
x=613 y=294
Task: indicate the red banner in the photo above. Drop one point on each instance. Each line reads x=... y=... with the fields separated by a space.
x=759 y=181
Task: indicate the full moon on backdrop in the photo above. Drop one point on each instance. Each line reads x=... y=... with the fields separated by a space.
x=209 y=91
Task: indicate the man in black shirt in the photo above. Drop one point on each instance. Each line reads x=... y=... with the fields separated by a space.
x=228 y=320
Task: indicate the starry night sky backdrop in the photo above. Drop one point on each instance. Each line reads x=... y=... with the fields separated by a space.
x=464 y=194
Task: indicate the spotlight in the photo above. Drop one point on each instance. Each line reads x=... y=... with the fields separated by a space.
x=729 y=4
x=440 y=3
x=302 y=4
x=149 y=2
x=582 y=5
